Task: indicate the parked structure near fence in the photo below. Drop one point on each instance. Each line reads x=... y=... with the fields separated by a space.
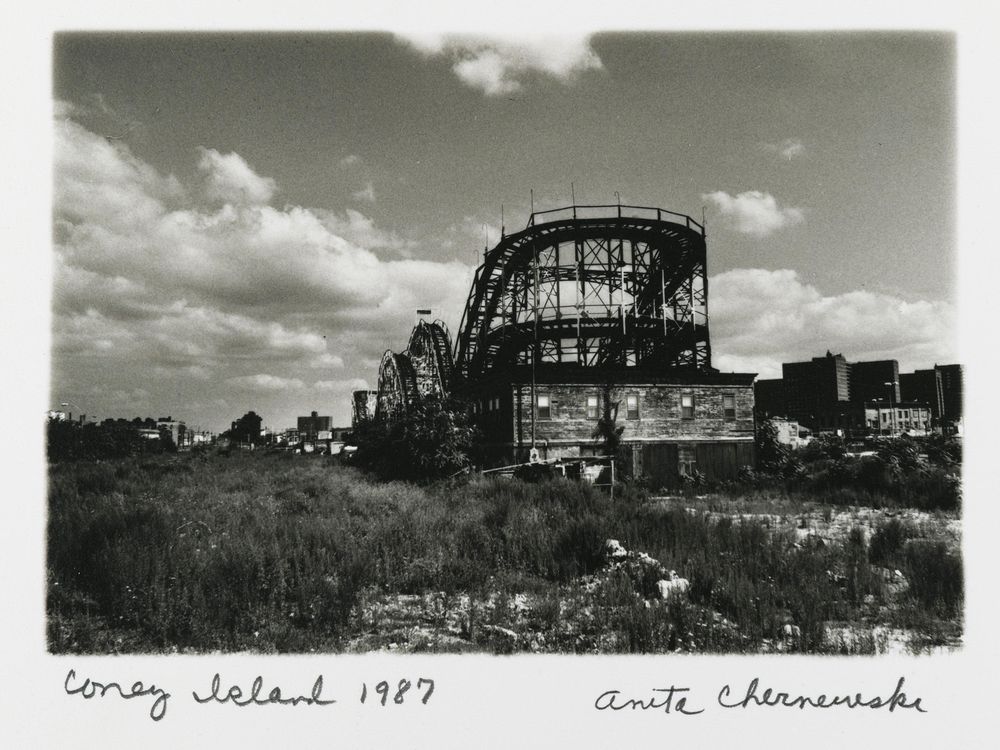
x=590 y=314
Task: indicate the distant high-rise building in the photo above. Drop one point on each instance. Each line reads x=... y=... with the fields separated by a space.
x=814 y=386
x=878 y=379
x=830 y=393
x=924 y=386
x=953 y=391
x=769 y=398
x=941 y=388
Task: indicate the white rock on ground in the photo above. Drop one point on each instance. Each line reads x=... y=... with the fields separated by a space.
x=674 y=588
x=614 y=550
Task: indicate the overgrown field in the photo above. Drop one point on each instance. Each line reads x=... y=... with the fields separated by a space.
x=282 y=553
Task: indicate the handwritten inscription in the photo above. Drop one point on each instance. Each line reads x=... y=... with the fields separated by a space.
x=669 y=700
x=768 y=697
x=611 y=699
x=92 y=689
x=383 y=689
x=675 y=699
x=256 y=695
x=235 y=695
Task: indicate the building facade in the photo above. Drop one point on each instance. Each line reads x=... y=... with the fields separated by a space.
x=878 y=379
x=815 y=386
x=314 y=427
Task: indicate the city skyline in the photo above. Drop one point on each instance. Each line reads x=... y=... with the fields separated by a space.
x=248 y=221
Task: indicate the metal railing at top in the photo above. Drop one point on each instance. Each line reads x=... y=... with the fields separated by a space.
x=621 y=211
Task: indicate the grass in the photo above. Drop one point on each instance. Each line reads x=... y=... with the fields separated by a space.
x=275 y=553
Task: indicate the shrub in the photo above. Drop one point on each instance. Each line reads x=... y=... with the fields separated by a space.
x=432 y=440
x=887 y=542
x=935 y=576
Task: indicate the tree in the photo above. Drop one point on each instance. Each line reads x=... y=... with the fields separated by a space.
x=610 y=434
x=246 y=429
x=772 y=456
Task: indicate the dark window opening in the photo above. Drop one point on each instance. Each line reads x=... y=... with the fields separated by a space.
x=729 y=406
x=687 y=406
x=631 y=407
x=543 y=407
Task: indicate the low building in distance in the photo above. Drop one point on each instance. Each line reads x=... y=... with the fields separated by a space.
x=311 y=427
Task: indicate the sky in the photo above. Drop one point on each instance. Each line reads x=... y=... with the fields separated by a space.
x=248 y=221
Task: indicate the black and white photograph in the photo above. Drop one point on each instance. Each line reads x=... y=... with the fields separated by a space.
x=605 y=344
x=383 y=364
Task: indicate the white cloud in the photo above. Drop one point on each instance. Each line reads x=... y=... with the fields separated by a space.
x=164 y=284
x=100 y=180
x=341 y=386
x=499 y=66
x=328 y=361
x=761 y=318
x=350 y=160
x=360 y=230
x=265 y=382
x=754 y=212
x=229 y=179
x=788 y=149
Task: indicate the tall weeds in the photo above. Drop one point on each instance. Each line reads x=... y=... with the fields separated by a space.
x=264 y=553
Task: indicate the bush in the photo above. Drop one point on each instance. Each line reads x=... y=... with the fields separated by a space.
x=887 y=542
x=70 y=441
x=433 y=440
x=935 y=576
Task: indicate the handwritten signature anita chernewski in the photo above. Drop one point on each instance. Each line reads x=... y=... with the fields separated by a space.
x=670 y=700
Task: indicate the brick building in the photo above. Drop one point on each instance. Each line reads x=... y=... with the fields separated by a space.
x=878 y=379
x=941 y=388
x=815 y=386
x=314 y=427
x=673 y=423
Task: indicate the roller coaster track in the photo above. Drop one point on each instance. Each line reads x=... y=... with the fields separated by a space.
x=424 y=370
x=672 y=259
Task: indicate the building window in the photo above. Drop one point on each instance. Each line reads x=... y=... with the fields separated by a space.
x=729 y=407
x=543 y=407
x=631 y=407
x=592 y=407
x=687 y=406
x=687 y=468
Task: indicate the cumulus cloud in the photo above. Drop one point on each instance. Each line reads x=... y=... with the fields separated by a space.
x=754 y=212
x=761 y=318
x=265 y=382
x=361 y=230
x=162 y=283
x=341 y=386
x=499 y=66
x=787 y=149
x=229 y=179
